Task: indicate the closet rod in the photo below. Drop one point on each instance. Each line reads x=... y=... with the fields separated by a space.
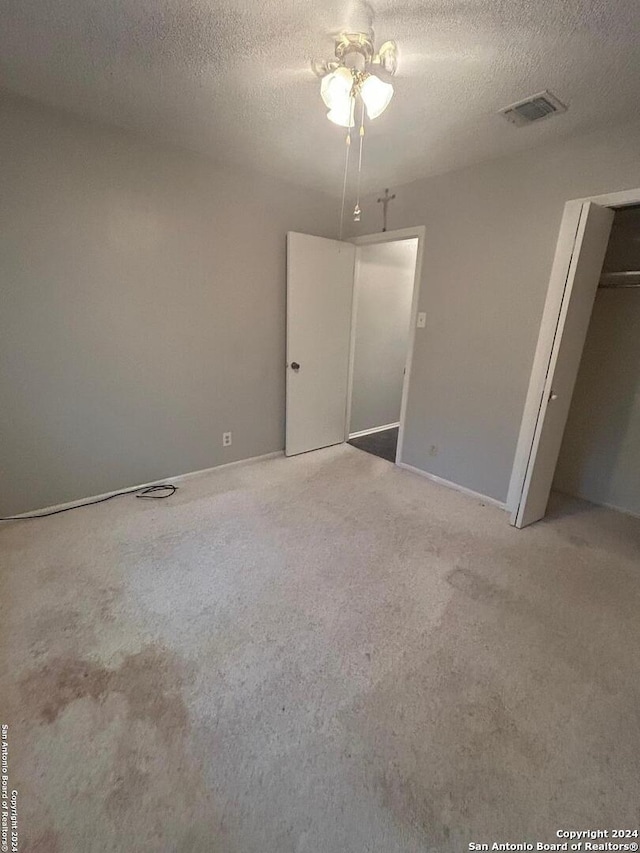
x=629 y=286
x=629 y=278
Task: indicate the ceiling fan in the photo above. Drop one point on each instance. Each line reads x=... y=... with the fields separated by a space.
x=359 y=74
x=358 y=79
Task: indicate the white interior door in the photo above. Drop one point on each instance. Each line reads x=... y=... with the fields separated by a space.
x=589 y=249
x=319 y=295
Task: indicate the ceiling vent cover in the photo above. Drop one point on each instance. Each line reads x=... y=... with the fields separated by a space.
x=535 y=108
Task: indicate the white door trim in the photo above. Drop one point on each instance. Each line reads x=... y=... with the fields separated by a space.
x=548 y=326
x=373 y=430
x=352 y=346
x=419 y=232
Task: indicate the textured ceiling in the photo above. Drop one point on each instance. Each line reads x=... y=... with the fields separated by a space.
x=231 y=78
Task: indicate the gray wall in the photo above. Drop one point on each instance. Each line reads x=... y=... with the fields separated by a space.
x=142 y=308
x=384 y=288
x=491 y=232
x=600 y=455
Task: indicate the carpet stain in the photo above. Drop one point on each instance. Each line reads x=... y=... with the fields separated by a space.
x=473 y=585
x=149 y=680
x=128 y=785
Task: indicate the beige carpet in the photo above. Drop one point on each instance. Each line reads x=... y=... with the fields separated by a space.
x=323 y=654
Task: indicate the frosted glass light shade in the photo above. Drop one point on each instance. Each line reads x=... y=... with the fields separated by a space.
x=336 y=88
x=342 y=114
x=376 y=95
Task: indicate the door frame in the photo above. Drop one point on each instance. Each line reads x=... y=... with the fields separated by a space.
x=551 y=317
x=417 y=231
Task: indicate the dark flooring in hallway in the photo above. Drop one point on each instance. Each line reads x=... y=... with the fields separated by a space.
x=381 y=444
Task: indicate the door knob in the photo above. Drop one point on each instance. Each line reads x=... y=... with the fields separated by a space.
x=295 y=365
x=553 y=396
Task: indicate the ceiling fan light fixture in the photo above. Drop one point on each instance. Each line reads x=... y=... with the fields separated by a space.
x=376 y=95
x=343 y=114
x=336 y=87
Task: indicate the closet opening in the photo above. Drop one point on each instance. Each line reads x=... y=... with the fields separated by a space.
x=599 y=459
x=580 y=430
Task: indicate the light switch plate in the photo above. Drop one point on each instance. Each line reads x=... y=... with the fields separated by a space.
x=422 y=319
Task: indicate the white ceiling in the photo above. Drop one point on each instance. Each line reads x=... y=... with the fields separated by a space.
x=231 y=78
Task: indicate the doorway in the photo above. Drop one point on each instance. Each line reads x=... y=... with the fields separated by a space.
x=351 y=318
x=581 y=426
x=383 y=297
x=599 y=458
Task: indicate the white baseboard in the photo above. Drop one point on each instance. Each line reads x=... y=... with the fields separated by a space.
x=439 y=480
x=177 y=479
x=237 y=464
x=374 y=429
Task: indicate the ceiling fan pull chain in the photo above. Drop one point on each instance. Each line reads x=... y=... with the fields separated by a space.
x=357 y=211
x=346 y=172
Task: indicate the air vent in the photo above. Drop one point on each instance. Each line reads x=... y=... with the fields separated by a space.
x=535 y=108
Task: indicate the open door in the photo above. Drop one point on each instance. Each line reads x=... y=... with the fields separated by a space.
x=562 y=362
x=319 y=295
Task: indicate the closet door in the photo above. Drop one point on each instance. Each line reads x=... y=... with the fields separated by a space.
x=562 y=361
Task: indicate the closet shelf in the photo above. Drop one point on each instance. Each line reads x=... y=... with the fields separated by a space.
x=629 y=278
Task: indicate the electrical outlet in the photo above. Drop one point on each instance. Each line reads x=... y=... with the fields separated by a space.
x=226 y=439
x=422 y=319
